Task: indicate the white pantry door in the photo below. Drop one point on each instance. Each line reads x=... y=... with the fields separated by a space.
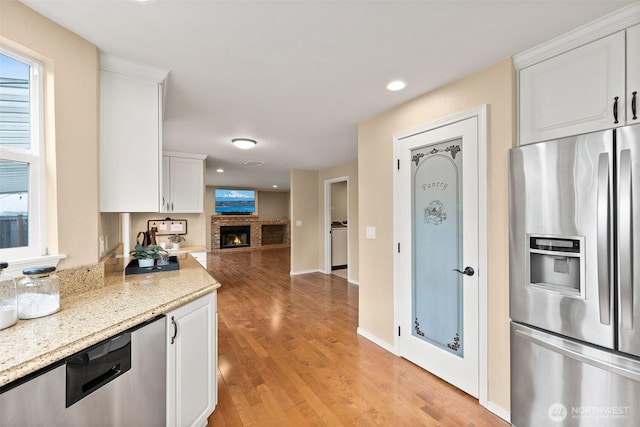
x=436 y=193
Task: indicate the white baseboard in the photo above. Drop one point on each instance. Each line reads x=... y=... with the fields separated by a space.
x=377 y=341
x=499 y=411
x=354 y=282
x=297 y=273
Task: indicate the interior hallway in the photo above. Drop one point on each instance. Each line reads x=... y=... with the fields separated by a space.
x=289 y=355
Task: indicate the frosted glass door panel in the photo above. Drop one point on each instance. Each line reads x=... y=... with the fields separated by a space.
x=437 y=245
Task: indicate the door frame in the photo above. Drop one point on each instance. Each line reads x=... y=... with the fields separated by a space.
x=327 y=223
x=480 y=113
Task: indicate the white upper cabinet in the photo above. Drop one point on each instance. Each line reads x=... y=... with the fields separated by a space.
x=583 y=81
x=580 y=91
x=130 y=136
x=183 y=182
x=633 y=74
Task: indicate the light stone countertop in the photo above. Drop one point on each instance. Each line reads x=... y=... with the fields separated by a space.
x=87 y=318
x=186 y=249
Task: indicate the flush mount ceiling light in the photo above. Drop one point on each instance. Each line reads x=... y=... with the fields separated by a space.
x=244 y=143
x=220 y=170
x=396 y=85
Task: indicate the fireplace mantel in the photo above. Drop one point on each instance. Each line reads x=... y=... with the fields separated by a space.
x=267 y=233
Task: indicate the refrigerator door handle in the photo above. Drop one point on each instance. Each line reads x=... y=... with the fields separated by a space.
x=604 y=286
x=582 y=353
x=625 y=243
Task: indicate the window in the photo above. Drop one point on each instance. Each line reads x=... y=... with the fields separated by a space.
x=22 y=213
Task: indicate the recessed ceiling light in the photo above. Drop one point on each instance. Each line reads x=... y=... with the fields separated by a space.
x=396 y=85
x=274 y=186
x=244 y=143
x=219 y=170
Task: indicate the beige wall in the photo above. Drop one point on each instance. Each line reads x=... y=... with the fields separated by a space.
x=273 y=204
x=304 y=208
x=494 y=86
x=71 y=129
x=349 y=170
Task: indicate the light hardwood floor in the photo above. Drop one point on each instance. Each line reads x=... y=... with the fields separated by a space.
x=289 y=355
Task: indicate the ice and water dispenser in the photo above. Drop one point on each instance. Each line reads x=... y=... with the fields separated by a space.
x=557 y=264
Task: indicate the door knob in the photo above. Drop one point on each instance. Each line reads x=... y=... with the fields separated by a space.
x=469 y=271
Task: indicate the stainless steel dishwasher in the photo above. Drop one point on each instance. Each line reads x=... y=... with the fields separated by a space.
x=118 y=382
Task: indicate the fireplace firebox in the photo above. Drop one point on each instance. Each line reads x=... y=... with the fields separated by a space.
x=236 y=236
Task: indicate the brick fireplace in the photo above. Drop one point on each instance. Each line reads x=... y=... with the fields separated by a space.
x=261 y=234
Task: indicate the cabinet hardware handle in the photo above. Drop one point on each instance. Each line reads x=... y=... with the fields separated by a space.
x=633 y=105
x=615 y=110
x=175 y=329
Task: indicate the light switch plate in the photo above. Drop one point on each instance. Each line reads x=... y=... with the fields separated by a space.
x=371 y=232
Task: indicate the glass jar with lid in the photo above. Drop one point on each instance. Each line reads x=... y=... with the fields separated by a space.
x=8 y=298
x=38 y=293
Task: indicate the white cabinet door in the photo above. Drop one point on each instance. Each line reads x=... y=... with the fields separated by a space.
x=192 y=362
x=633 y=74
x=574 y=92
x=187 y=184
x=130 y=144
x=183 y=181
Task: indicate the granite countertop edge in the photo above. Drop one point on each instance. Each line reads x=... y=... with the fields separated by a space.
x=94 y=316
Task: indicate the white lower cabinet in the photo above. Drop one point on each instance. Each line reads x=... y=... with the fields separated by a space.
x=192 y=360
x=201 y=257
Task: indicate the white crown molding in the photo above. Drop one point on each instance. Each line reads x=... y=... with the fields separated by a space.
x=601 y=27
x=134 y=69
x=184 y=155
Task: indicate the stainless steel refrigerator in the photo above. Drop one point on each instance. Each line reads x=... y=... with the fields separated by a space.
x=575 y=280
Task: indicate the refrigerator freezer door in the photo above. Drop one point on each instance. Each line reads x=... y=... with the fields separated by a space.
x=628 y=238
x=557 y=381
x=561 y=194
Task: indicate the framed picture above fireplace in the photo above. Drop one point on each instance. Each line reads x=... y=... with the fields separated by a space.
x=235 y=202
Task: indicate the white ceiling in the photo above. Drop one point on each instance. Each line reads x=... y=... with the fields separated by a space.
x=299 y=75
